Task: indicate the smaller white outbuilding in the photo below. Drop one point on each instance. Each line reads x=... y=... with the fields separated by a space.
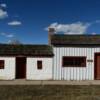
x=31 y=62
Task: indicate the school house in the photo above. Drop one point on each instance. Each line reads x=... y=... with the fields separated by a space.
x=66 y=57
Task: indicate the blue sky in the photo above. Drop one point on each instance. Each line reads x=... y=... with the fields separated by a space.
x=28 y=20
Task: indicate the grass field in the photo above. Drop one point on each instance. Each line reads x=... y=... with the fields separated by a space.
x=32 y=92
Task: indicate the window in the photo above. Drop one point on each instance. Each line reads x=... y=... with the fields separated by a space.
x=1 y=64
x=39 y=65
x=74 y=61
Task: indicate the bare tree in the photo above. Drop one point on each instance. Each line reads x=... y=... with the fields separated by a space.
x=14 y=41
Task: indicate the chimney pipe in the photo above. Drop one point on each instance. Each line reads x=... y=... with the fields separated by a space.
x=51 y=31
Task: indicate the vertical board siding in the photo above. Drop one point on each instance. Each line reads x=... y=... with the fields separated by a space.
x=73 y=73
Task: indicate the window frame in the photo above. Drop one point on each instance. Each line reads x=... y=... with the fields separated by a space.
x=2 y=64
x=74 y=57
x=39 y=64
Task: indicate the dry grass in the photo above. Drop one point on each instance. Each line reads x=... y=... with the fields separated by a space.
x=46 y=92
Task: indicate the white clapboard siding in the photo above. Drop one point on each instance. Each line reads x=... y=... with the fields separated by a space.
x=73 y=73
x=8 y=73
x=35 y=74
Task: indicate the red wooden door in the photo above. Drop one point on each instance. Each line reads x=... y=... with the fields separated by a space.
x=20 y=67
x=97 y=66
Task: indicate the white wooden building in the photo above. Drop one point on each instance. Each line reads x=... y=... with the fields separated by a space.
x=31 y=62
x=76 y=57
x=67 y=57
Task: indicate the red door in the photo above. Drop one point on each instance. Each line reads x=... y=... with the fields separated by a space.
x=20 y=67
x=97 y=66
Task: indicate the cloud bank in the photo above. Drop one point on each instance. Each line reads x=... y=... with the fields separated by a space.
x=74 y=28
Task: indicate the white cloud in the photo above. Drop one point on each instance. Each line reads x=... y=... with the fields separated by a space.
x=7 y=35
x=3 y=5
x=74 y=28
x=14 y=23
x=10 y=35
x=93 y=33
x=97 y=21
x=3 y=14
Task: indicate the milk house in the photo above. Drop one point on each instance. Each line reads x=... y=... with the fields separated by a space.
x=33 y=62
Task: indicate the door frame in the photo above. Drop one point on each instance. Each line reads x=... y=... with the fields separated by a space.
x=95 y=65
x=23 y=57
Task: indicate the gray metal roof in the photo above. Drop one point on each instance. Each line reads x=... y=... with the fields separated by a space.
x=61 y=39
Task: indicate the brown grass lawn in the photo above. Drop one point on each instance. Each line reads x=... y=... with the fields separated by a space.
x=36 y=92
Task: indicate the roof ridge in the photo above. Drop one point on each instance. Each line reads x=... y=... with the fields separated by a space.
x=77 y=34
x=27 y=44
